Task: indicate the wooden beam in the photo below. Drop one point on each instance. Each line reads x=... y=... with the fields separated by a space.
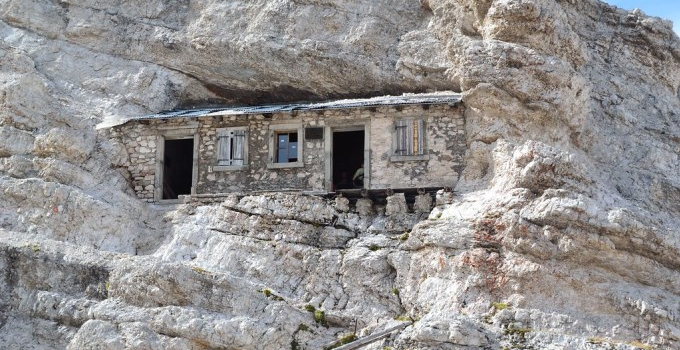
x=373 y=337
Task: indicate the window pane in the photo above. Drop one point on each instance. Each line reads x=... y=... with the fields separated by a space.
x=283 y=140
x=282 y=148
x=282 y=156
x=292 y=151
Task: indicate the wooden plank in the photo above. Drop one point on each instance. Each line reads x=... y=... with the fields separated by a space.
x=372 y=338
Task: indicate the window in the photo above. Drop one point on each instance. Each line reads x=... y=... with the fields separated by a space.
x=409 y=137
x=286 y=147
x=232 y=147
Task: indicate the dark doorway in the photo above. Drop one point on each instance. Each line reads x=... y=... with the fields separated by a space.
x=348 y=157
x=178 y=165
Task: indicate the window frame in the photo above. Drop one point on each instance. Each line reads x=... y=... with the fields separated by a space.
x=274 y=131
x=286 y=137
x=218 y=135
x=422 y=140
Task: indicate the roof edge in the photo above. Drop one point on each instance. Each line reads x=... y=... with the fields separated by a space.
x=443 y=97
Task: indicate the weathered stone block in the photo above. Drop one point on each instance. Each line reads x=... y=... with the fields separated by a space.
x=444 y=197
x=364 y=207
x=396 y=204
x=423 y=203
x=341 y=204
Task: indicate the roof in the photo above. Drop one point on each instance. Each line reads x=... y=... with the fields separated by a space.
x=406 y=99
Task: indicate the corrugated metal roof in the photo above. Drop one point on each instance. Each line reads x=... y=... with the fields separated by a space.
x=407 y=99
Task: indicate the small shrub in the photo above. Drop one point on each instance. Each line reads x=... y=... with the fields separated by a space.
x=500 y=306
x=320 y=318
x=34 y=247
x=373 y=247
x=595 y=340
x=487 y=319
x=395 y=291
x=268 y=293
x=435 y=216
x=346 y=339
x=520 y=332
x=640 y=345
x=294 y=345
x=200 y=270
x=404 y=237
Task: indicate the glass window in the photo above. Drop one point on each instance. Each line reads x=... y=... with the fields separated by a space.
x=287 y=147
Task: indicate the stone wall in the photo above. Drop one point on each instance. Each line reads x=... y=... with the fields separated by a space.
x=140 y=143
x=445 y=144
x=256 y=175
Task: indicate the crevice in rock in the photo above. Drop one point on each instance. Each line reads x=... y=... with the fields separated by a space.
x=273 y=240
x=333 y=223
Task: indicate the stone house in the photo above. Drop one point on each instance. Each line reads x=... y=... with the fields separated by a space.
x=410 y=141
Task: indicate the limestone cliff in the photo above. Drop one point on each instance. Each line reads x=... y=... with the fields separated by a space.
x=563 y=233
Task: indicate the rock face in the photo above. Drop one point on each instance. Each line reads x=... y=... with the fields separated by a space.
x=563 y=232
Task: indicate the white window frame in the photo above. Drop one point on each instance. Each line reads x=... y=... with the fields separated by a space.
x=276 y=129
x=224 y=138
x=409 y=140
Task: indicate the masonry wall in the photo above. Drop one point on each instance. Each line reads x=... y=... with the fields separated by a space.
x=140 y=143
x=445 y=143
x=257 y=175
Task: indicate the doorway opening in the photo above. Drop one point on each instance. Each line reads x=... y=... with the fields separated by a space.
x=178 y=163
x=348 y=157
